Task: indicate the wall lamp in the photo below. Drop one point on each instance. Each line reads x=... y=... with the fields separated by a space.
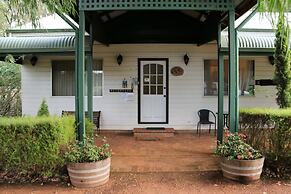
x=119 y=59
x=33 y=60
x=186 y=59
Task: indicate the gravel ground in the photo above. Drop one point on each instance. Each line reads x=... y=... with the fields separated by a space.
x=158 y=183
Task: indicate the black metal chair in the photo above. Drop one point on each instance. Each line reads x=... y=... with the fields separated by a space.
x=204 y=116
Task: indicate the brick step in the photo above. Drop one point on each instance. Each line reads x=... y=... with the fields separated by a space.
x=152 y=134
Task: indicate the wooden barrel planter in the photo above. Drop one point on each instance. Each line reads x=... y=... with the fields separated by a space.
x=245 y=171
x=89 y=174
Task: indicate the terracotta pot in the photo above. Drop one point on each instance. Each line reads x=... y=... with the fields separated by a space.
x=89 y=174
x=245 y=171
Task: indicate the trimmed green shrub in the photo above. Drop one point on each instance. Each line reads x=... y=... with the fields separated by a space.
x=33 y=147
x=269 y=130
x=43 y=109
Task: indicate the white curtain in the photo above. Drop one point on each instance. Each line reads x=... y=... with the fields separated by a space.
x=245 y=76
x=64 y=78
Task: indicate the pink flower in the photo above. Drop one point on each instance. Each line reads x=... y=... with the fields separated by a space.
x=239 y=157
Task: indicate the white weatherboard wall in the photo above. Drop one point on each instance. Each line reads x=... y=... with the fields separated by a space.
x=186 y=93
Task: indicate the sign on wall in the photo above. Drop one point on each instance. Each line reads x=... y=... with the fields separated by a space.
x=177 y=71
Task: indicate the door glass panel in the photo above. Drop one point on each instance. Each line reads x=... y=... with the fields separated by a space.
x=153 y=79
x=160 y=90
x=146 y=69
x=160 y=69
x=146 y=79
x=153 y=69
x=160 y=79
x=145 y=89
x=153 y=90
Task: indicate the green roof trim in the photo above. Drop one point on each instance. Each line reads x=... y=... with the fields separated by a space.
x=31 y=45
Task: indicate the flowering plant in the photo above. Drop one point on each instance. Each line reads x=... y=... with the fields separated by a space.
x=89 y=152
x=235 y=147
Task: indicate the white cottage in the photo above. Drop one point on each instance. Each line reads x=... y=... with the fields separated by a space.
x=141 y=85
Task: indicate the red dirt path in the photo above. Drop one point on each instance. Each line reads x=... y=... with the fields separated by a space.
x=159 y=183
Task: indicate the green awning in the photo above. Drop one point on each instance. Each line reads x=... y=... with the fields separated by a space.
x=249 y=41
x=35 y=45
x=252 y=41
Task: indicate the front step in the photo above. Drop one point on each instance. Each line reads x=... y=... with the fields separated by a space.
x=153 y=134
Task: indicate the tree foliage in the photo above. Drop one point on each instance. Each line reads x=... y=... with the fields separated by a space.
x=278 y=9
x=10 y=84
x=31 y=10
x=282 y=76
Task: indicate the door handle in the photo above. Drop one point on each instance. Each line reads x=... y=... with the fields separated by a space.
x=165 y=96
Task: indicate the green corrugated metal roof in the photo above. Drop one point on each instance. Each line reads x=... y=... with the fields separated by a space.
x=23 y=45
x=249 y=41
x=252 y=41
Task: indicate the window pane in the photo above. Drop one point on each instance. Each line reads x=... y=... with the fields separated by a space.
x=210 y=77
x=64 y=78
x=160 y=79
x=160 y=90
x=146 y=90
x=146 y=69
x=160 y=69
x=153 y=79
x=246 y=79
x=97 y=83
x=97 y=78
x=153 y=90
x=146 y=79
x=153 y=68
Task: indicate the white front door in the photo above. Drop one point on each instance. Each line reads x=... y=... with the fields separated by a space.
x=153 y=91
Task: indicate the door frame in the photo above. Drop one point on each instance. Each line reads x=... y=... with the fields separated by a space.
x=167 y=89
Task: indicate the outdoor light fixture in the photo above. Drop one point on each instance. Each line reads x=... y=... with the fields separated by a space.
x=186 y=59
x=203 y=18
x=33 y=60
x=119 y=59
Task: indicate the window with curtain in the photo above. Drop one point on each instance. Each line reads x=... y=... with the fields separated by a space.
x=63 y=75
x=246 y=77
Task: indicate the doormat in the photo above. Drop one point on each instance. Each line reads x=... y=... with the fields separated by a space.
x=155 y=128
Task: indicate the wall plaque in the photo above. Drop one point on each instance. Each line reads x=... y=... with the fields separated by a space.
x=177 y=71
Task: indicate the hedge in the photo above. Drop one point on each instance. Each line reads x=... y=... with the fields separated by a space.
x=269 y=130
x=31 y=146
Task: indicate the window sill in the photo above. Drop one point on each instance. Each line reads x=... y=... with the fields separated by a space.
x=244 y=96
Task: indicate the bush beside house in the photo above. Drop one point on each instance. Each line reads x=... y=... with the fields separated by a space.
x=269 y=130
x=32 y=147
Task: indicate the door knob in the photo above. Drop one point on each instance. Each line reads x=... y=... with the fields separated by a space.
x=165 y=96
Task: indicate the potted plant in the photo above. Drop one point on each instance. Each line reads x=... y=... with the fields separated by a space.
x=239 y=161
x=88 y=165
